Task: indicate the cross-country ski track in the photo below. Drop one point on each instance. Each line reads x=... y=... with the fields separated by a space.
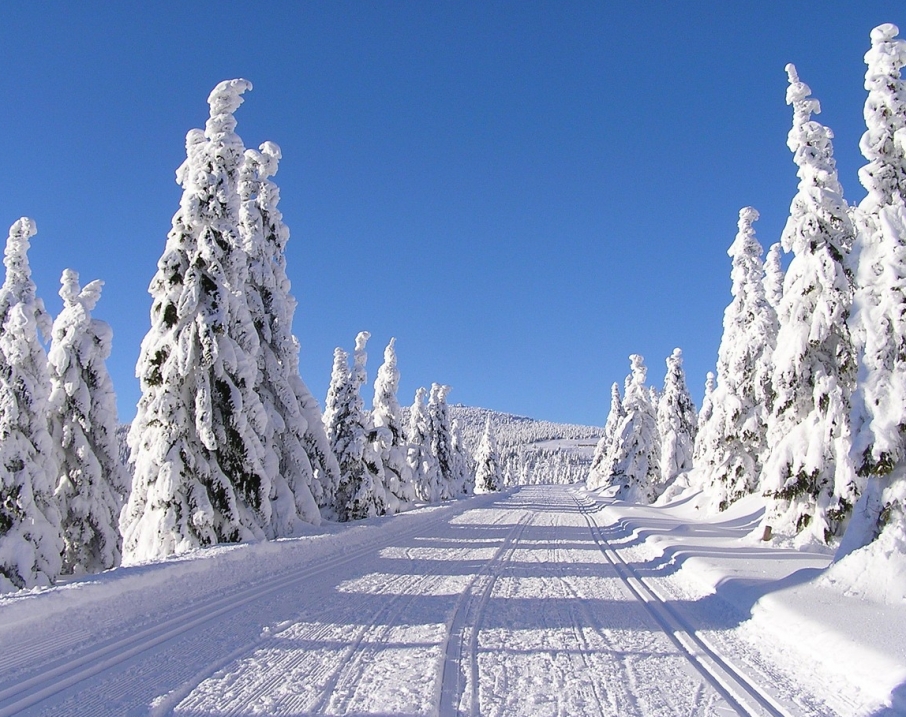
x=520 y=603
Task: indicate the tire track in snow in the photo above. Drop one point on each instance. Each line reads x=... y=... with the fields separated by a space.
x=459 y=673
x=744 y=695
x=58 y=676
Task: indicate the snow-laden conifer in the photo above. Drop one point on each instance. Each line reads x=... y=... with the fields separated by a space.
x=31 y=542
x=420 y=458
x=442 y=441
x=360 y=492
x=199 y=477
x=599 y=472
x=734 y=445
x=298 y=459
x=773 y=276
x=92 y=486
x=677 y=421
x=488 y=477
x=808 y=473
x=463 y=464
x=878 y=319
x=390 y=434
x=705 y=416
x=635 y=455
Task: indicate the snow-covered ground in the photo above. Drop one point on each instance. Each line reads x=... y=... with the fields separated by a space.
x=544 y=600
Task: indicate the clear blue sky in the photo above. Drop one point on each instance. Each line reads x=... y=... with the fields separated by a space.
x=524 y=193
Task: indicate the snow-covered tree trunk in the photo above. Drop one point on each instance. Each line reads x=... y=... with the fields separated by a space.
x=878 y=319
x=599 y=473
x=31 y=541
x=360 y=492
x=808 y=473
x=635 y=454
x=773 y=276
x=298 y=459
x=733 y=445
x=420 y=458
x=677 y=421
x=199 y=475
x=387 y=417
x=92 y=486
x=488 y=478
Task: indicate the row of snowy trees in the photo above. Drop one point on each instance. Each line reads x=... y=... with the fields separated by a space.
x=61 y=483
x=809 y=404
x=228 y=443
x=385 y=465
x=648 y=437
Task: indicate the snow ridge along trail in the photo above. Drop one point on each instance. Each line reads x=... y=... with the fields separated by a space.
x=738 y=689
x=508 y=604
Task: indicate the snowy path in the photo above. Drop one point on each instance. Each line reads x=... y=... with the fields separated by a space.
x=496 y=605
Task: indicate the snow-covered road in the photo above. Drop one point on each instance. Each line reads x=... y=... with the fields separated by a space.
x=513 y=604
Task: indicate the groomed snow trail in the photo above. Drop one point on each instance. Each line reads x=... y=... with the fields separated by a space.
x=510 y=604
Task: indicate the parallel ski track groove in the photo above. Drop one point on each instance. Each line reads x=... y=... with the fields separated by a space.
x=453 y=671
x=733 y=685
x=54 y=680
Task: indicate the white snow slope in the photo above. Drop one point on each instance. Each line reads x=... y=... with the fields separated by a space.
x=543 y=600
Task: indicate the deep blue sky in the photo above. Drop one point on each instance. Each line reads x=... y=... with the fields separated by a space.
x=524 y=193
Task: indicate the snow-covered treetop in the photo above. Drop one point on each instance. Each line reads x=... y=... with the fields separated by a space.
x=360 y=357
x=18 y=287
x=71 y=293
x=638 y=368
x=386 y=405
x=224 y=100
x=884 y=141
x=745 y=243
x=819 y=186
x=710 y=384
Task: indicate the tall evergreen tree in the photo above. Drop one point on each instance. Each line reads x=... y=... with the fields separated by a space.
x=298 y=459
x=705 y=416
x=488 y=477
x=635 y=455
x=599 y=473
x=463 y=463
x=734 y=444
x=808 y=473
x=360 y=492
x=199 y=477
x=677 y=421
x=442 y=441
x=879 y=307
x=31 y=541
x=92 y=486
x=387 y=417
x=420 y=458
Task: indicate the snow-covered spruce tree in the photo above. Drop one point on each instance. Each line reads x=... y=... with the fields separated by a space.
x=360 y=492
x=92 y=486
x=734 y=443
x=31 y=542
x=488 y=477
x=808 y=473
x=442 y=441
x=705 y=416
x=390 y=435
x=677 y=421
x=773 y=276
x=599 y=472
x=298 y=459
x=463 y=463
x=635 y=455
x=878 y=319
x=421 y=460
x=198 y=472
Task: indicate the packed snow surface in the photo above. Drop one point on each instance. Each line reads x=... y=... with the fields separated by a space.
x=543 y=600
